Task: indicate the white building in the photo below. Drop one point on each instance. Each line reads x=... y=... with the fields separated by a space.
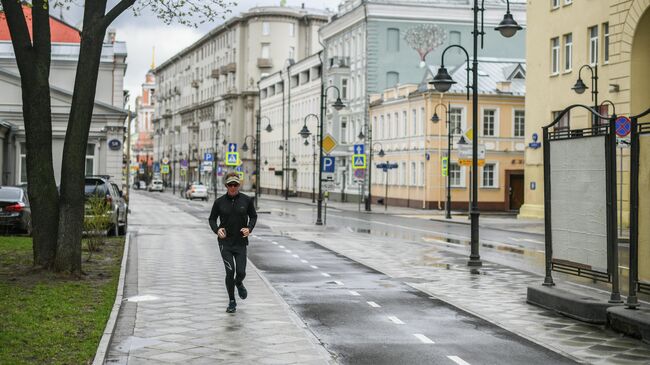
x=105 y=140
x=208 y=94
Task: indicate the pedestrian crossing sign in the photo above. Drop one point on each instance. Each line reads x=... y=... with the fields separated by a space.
x=358 y=161
x=232 y=158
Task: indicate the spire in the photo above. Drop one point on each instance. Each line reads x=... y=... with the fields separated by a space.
x=153 y=58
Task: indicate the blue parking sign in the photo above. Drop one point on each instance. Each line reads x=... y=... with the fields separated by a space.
x=327 y=164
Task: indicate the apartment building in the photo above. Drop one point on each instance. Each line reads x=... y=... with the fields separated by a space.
x=208 y=96
x=611 y=37
x=403 y=129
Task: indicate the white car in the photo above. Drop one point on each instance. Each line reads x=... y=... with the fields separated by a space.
x=197 y=191
x=156 y=185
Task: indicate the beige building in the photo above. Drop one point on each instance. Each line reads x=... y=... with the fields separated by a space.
x=402 y=127
x=208 y=92
x=564 y=35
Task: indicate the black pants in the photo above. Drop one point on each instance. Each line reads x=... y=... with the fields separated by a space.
x=234 y=260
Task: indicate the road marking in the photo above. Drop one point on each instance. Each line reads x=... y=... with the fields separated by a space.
x=350 y=229
x=374 y=305
x=304 y=261
x=287 y=251
x=356 y=294
x=296 y=256
x=325 y=274
x=338 y=282
x=533 y=241
x=313 y=267
x=423 y=338
x=395 y=320
x=281 y=246
x=458 y=360
x=275 y=243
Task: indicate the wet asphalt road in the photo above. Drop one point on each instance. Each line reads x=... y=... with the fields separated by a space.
x=364 y=317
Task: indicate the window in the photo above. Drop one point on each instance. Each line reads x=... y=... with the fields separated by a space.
x=23 y=162
x=489 y=121
x=414 y=121
x=374 y=128
x=388 y=128
x=402 y=175
x=266 y=28
x=421 y=174
x=344 y=124
x=555 y=4
x=606 y=42
x=455 y=120
x=382 y=127
x=414 y=175
x=564 y=123
x=292 y=52
x=520 y=121
x=403 y=126
x=90 y=159
x=395 y=126
x=593 y=45
x=344 y=89
x=455 y=175
x=421 y=123
x=489 y=176
x=392 y=40
x=568 y=52
x=555 y=55
x=266 y=50
x=567 y=2
x=292 y=30
x=392 y=79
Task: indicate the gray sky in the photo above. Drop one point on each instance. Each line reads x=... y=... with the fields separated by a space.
x=145 y=32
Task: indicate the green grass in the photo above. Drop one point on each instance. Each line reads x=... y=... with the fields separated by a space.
x=47 y=318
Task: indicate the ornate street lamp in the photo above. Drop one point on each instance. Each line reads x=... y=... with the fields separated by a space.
x=580 y=88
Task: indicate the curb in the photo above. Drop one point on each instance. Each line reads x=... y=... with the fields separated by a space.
x=102 y=348
x=443 y=220
x=320 y=348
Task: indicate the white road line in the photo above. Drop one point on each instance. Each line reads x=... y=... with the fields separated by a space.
x=423 y=338
x=325 y=274
x=304 y=261
x=533 y=241
x=287 y=251
x=338 y=282
x=296 y=256
x=374 y=305
x=281 y=246
x=275 y=243
x=313 y=267
x=352 y=292
x=458 y=360
x=350 y=229
x=395 y=320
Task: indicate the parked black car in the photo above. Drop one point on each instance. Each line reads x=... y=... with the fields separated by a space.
x=15 y=212
x=102 y=187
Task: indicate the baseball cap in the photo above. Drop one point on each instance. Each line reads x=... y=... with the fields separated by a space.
x=232 y=178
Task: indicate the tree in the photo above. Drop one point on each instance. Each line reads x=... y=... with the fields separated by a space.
x=424 y=38
x=58 y=215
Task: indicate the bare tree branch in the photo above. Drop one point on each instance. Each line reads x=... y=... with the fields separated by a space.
x=41 y=31
x=117 y=10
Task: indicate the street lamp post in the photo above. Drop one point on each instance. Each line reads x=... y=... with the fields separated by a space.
x=381 y=153
x=338 y=105
x=256 y=152
x=443 y=82
x=580 y=88
x=450 y=130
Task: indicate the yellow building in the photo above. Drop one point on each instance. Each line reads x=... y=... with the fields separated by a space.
x=564 y=35
x=402 y=127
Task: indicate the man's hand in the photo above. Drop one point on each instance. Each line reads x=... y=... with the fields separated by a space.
x=221 y=233
x=245 y=232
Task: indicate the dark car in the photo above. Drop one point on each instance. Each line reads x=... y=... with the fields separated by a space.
x=15 y=212
x=102 y=187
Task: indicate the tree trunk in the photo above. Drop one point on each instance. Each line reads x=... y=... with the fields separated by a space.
x=33 y=60
x=71 y=204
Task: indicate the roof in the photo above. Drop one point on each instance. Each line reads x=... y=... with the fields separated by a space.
x=491 y=71
x=60 y=31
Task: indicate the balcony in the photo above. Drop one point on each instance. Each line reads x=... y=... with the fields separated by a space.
x=230 y=68
x=264 y=63
x=215 y=73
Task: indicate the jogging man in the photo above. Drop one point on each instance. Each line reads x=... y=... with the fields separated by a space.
x=237 y=218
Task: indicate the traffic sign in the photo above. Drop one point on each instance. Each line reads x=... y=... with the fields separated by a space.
x=183 y=164
x=623 y=126
x=329 y=143
x=359 y=149
x=232 y=158
x=156 y=167
x=165 y=161
x=207 y=156
x=232 y=147
x=327 y=164
x=328 y=185
x=358 y=162
x=238 y=168
x=360 y=174
x=219 y=170
x=445 y=166
x=165 y=169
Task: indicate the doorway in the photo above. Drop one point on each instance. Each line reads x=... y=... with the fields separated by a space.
x=515 y=190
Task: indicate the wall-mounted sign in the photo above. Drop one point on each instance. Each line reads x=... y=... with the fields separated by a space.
x=534 y=144
x=115 y=144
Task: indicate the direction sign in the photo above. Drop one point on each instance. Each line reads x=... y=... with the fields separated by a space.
x=327 y=164
x=329 y=143
x=623 y=126
x=359 y=149
x=207 y=156
x=232 y=158
x=358 y=162
x=232 y=147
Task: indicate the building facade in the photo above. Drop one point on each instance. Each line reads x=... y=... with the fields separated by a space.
x=403 y=129
x=145 y=160
x=105 y=140
x=375 y=44
x=208 y=93
x=565 y=35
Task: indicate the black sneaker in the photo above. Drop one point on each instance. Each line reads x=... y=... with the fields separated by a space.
x=232 y=307
x=241 y=289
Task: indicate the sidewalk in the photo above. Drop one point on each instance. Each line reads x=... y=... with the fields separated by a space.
x=180 y=301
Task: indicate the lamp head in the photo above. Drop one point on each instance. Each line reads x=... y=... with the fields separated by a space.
x=266 y=162
x=361 y=136
x=306 y=142
x=508 y=26
x=435 y=119
x=338 y=104
x=269 y=128
x=580 y=86
x=442 y=81
x=293 y=159
x=244 y=147
x=224 y=142
x=304 y=132
x=381 y=153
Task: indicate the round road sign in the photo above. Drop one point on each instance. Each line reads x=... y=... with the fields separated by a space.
x=623 y=126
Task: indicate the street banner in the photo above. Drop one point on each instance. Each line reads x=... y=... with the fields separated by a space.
x=644 y=208
x=445 y=166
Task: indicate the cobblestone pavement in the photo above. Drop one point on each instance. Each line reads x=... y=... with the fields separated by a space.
x=181 y=301
x=497 y=294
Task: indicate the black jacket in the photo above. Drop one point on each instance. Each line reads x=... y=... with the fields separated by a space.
x=234 y=213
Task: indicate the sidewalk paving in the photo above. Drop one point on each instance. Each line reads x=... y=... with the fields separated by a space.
x=181 y=300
